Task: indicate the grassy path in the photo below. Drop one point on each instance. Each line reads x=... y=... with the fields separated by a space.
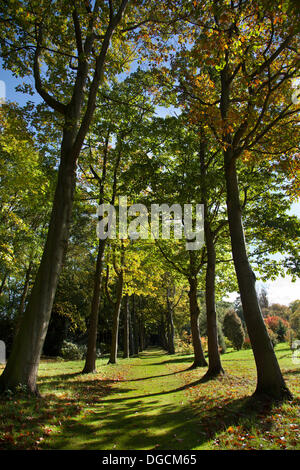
x=145 y=407
x=151 y=402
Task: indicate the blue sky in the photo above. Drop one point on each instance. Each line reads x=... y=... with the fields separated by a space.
x=282 y=290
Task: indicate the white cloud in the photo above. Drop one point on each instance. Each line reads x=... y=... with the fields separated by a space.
x=283 y=290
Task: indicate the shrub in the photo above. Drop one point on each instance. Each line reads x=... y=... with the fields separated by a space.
x=295 y=322
x=228 y=343
x=233 y=329
x=278 y=325
x=71 y=351
x=273 y=336
x=281 y=332
x=290 y=336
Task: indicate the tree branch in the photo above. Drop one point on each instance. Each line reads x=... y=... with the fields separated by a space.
x=78 y=35
x=98 y=73
x=50 y=100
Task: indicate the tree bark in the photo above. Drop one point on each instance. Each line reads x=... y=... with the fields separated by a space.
x=170 y=330
x=163 y=335
x=199 y=359
x=131 y=332
x=142 y=331
x=270 y=382
x=91 y=354
x=134 y=327
x=214 y=361
x=116 y=321
x=126 y=353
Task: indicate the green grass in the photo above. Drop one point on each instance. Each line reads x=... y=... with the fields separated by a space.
x=151 y=402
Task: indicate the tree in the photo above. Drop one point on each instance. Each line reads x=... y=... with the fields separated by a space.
x=263 y=299
x=119 y=270
x=295 y=322
x=26 y=188
x=295 y=305
x=249 y=74
x=281 y=332
x=116 y=123
x=171 y=304
x=126 y=325
x=211 y=235
x=233 y=329
x=278 y=325
x=39 y=32
x=194 y=155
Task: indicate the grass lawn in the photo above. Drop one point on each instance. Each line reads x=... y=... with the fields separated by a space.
x=151 y=402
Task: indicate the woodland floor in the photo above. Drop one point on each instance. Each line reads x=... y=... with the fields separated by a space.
x=151 y=402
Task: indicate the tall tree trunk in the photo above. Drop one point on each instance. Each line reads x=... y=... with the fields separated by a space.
x=126 y=327
x=23 y=297
x=23 y=362
x=163 y=335
x=214 y=360
x=170 y=330
x=91 y=354
x=199 y=359
x=131 y=332
x=116 y=321
x=142 y=331
x=135 y=326
x=269 y=378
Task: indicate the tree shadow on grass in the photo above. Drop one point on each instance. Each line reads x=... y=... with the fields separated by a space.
x=141 y=379
x=87 y=389
x=178 y=360
x=87 y=416
x=27 y=421
x=67 y=379
x=135 y=425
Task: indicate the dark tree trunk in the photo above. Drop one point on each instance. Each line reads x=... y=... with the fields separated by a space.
x=22 y=365
x=199 y=359
x=163 y=334
x=91 y=354
x=23 y=362
x=142 y=331
x=116 y=321
x=131 y=332
x=170 y=330
x=126 y=328
x=214 y=360
x=269 y=378
x=135 y=327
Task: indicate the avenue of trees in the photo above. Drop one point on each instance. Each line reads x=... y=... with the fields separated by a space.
x=173 y=102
